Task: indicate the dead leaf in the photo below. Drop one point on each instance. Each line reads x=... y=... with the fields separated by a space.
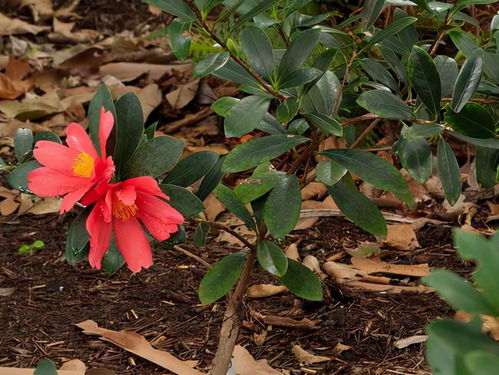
x=137 y=344
x=149 y=98
x=12 y=83
x=402 y=237
x=219 y=149
x=244 y=364
x=213 y=207
x=183 y=95
x=27 y=371
x=292 y=252
x=340 y=348
x=74 y=365
x=313 y=189
x=365 y=249
x=375 y=265
x=8 y=204
x=10 y=26
x=127 y=71
x=265 y=290
x=284 y=321
x=304 y=356
x=490 y=324
x=38 y=206
x=39 y=8
x=33 y=107
x=5 y=292
x=404 y=343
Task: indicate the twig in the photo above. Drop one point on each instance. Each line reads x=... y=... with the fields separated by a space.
x=353 y=120
x=365 y=132
x=193 y=256
x=441 y=35
x=343 y=81
x=225 y=228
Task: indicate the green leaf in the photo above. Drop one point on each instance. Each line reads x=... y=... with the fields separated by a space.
x=221 y=278
x=425 y=79
x=385 y=105
x=231 y=202
x=326 y=124
x=422 y=130
x=129 y=128
x=330 y=172
x=392 y=29
x=392 y=59
x=459 y=293
x=482 y=362
x=271 y=258
x=245 y=115
x=182 y=200
x=223 y=105
x=102 y=98
x=299 y=77
x=487 y=143
x=18 y=178
x=77 y=238
x=46 y=367
x=257 y=47
x=270 y=125
x=298 y=52
x=46 y=136
x=201 y=234
x=256 y=151
x=298 y=126
x=282 y=209
x=154 y=157
x=448 y=72
x=178 y=8
x=323 y=97
x=467 y=81
x=232 y=71
x=370 y=13
x=211 y=180
x=473 y=121
x=461 y=4
x=448 y=170
x=374 y=170
x=210 y=63
x=23 y=142
x=180 y=40
x=379 y=73
x=486 y=162
x=259 y=8
x=302 y=282
x=260 y=182
x=191 y=168
x=287 y=110
x=463 y=41
x=112 y=261
x=415 y=155
x=358 y=208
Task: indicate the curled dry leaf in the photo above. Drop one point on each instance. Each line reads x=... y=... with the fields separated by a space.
x=137 y=344
x=127 y=71
x=292 y=252
x=405 y=342
x=244 y=364
x=340 y=348
x=402 y=237
x=5 y=292
x=8 y=203
x=183 y=95
x=375 y=265
x=313 y=189
x=265 y=290
x=283 y=321
x=74 y=365
x=306 y=357
x=11 y=26
x=213 y=207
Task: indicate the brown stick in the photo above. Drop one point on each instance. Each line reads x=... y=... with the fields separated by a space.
x=233 y=319
x=365 y=132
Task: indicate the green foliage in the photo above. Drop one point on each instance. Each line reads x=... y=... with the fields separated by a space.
x=27 y=248
x=45 y=367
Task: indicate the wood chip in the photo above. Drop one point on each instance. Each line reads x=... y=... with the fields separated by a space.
x=265 y=290
x=281 y=321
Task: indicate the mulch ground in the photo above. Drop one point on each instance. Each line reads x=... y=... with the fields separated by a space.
x=161 y=303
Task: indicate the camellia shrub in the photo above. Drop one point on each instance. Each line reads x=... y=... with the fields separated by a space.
x=304 y=75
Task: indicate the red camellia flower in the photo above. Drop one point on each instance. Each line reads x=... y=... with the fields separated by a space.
x=118 y=209
x=72 y=170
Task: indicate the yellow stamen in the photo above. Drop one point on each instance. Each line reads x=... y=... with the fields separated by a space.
x=83 y=165
x=122 y=211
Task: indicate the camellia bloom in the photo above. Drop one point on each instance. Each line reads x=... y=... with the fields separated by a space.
x=72 y=170
x=119 y=209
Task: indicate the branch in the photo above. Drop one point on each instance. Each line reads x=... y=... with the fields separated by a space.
x=365 y=132
x=225 y=228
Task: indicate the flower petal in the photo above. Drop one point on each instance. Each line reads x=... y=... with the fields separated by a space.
x=146 y=184
x=78 y=139
x=132 y=244
x=100 y=236
x=159 y=229
x=71 y=198
x=106 y=123
x=55 y=156
x=127 y=194
x=158 y=208
x=47 y=182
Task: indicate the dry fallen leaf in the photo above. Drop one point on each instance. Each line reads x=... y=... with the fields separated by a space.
x=213 y=207
x=32 y=107
x=137 y=344
x=340 y=348
x=313 y=189
x=402 y=237
x=306 y=357
x=27 y=371
x=265 y=290
x=375 y=265
x=405 y=342
x=5 y=292
x=10 y=26
x=183 y=95
x=490 y=324
x=244 y=364
x=74 y=365
x=128 y=71
x=8 y=203
x=292 y=252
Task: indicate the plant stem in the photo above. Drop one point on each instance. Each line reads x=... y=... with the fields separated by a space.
x=365 y=132
x=232 y=321
x=225 y=228
x=353 y=120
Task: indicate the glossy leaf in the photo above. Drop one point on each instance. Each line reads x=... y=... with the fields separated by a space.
x=448 y=72
x=257 y=47
x=17 y=178
x=487 y=143
x=210 y=63
x=154 y=157
x=231 y=202
x=486 y=162
x=298 y=51
x=415 y=155
x=256 y=151
x=182 y=200
x=358 y=208
x=232 y=71
x=102 y=98
x=245 y=115
x=178 y=8
x=45 y=367
x=379 y=73
x=374 y=170
x=23 y=142
x=327 y=124
x=482 y=362
x=389 y=31
x=473 y=121
x=77 y=238
x=129 y=128
x=211 y=180
x=467 y=81
x=282 y=209
x=112 y=261
x=191 y=168
x=323 y=96
x=221 y=278
x=370 y=13
x=180 y=41
x=258 y=9
x=298 y=126
x=422 y=130
x=302 y=282
x=287 y=110
x=448 y=170
x=425 y=79
x=385 y=105
x=201 y=234
x=299 y=77
x=46 y=136
x=259 y=183
x=330 y=172
x=272 y=258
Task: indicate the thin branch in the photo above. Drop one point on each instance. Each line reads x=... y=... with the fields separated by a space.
x=353 y=120
x=225 y=228
x=193 y=256
x=365 y=132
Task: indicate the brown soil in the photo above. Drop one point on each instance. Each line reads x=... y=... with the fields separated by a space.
x=161 y=303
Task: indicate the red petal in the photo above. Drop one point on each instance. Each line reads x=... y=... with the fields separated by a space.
x=55 y=156
x=78 y=139
x=106 y=123
x=146 y=184
x=47 y=182
x=159 y=209
x=70 y=199
x=133 y=244
x=100 y=235
x=127 y=194
x=157 y=228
